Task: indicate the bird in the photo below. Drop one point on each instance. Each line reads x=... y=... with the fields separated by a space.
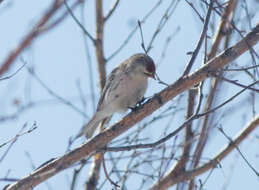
x=124 y=89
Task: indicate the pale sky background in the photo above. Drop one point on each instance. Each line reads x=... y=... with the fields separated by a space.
x=59 y=59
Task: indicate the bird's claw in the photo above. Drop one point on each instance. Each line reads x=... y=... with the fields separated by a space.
x=134 y=108
x=139 y=103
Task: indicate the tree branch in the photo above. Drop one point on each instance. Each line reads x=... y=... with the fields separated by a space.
x=132 y=118
x=203 y=34
x=36 y=30
x=174 y=178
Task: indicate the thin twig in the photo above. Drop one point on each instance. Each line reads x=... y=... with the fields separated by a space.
x=166 y=95
x=235 y=83
x=241 y=69
x=10 y=76
x=17 y=113
x=164 y=139
x=206 y=179
x=107 y=175
x=166 y=45
x=13 y=140
x=7 y=179
x=195 y=10
x=79 y=24
x=111 y=11
x=241 y=154
x=164 y=19
x=27 y=40
x=75 y=175
x=229 y=100
x=142 y=37
x=19 y=135
x=170 y=178
x=61 y=18
x=125 y=42
x=200 y=97
x=51 y=92
x=160 y=81
x=202 y=36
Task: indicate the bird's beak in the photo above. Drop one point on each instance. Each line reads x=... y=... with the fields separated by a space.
x=151 y=75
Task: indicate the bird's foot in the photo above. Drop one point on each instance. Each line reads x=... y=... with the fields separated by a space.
x=139 y=103
x=134 y=108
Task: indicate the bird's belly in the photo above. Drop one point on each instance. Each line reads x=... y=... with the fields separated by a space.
x=126 y=95
x=135 y=93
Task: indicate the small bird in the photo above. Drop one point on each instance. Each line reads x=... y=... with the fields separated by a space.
x=124 y=89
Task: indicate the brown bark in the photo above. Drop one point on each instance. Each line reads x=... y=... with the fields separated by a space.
x=147 y=109
x=176 y=177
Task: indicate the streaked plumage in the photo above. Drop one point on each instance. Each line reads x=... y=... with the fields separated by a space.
x=124 y=88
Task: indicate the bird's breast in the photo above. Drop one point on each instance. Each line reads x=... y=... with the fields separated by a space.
x=125 y=93
x=133 y=91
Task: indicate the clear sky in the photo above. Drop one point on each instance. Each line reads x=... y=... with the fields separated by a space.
x=60 y=61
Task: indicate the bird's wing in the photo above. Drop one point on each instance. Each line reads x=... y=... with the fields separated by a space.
x=111 y=83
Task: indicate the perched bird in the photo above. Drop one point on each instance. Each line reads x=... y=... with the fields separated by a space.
x=124 y=88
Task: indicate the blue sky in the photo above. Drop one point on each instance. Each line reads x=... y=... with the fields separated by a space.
x=59 y=59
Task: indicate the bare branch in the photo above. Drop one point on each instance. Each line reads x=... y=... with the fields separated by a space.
x=202 y=36
x=126 y=41
x=36 y=30
x=195 y=10
x=185 y=123
x=226 y=17
x=61 y=17
x=94 y=173
x=78 y=23
x=52 y=93
x=10 y=76
x=13 y=140
x=242 y=69
x=111 y=11
x=163 y=21
x=107 y=175
x=145 y=110
x=235 y=83
x=19 y=135
x=142 y=38
x=171 y=178
x=242 y=155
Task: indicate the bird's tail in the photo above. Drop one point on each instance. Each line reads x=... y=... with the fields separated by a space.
x=89 y=128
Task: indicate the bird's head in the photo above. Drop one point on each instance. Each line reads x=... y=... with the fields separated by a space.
x=143 y=64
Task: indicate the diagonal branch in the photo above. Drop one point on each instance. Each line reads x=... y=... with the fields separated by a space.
x=174 y=178
x=36 y=30
x=132 y=118
x=78 y=23
x=111 y=11
x=186 y=124
x=203 y=34
x=217 y=39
